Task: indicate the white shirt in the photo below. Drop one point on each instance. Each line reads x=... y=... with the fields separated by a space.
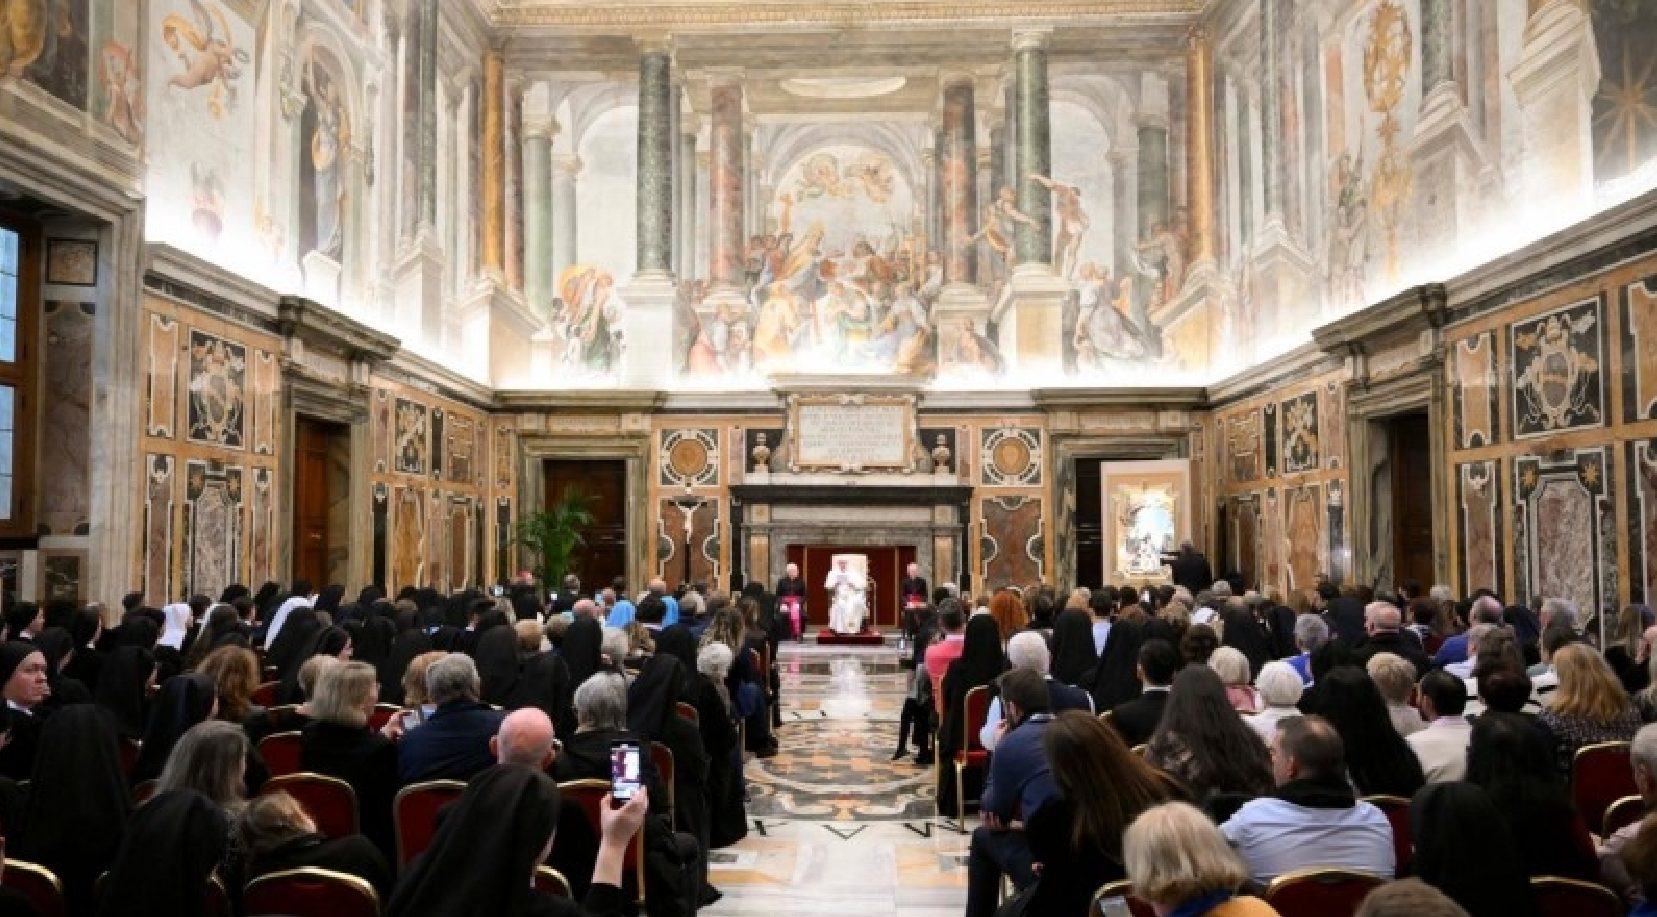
x=1275 y=837
x=1442 y=748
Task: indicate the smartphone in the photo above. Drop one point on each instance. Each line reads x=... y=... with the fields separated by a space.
x=498 y=591
x=410 y=719
x=624 y=771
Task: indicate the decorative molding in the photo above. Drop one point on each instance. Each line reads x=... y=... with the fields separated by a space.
x=321 y=327
x=659 y=15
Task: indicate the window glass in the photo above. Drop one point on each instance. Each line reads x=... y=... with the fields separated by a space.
x=9 y=243
x=8 y=295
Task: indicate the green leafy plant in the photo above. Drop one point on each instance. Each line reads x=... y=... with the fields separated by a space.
x=551 y=536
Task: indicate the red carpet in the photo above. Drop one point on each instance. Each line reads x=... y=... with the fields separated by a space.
x=826 y=637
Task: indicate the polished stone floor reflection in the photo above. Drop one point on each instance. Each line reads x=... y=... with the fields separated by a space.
x=836 y=827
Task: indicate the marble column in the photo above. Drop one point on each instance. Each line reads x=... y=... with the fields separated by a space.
x=1122 y=163
x=1271 y=108
x=514 y=232
x=1009 y=95
x=687 y=195
x=1034 y=240
x=935 y=200
x=566 y=168
x=494 y=166
x=427 y=170
x=538 y=215
x=1446 y=156
x=726 y=187
x=929 y=174
x=1199 y=148
x=465 y=132
x=1247 y=180
x=960 y=182
x=655 y=163
x=1436 y=38
x=408 y=134
x=1153 y=174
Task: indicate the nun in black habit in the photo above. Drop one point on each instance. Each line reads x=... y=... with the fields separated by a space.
x=1074 y=658
x=328 y=641
x=184 y=701
x=583 y=643
x=24 y=695
x=496 y=654
x=77 y=804
x=1117 y=678
x=980 y=664
x=171 y=845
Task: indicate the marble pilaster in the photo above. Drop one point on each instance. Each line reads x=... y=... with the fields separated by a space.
x=427 y=106
x=566 y=169
x=538 y=216
x=1555 y=80
x=514 y=192
x=960 y=182
x=494 y=166
x=1447 y=159
x=1271 y=108
x=1437 y=24
x=1199 y=150
x=726 y=186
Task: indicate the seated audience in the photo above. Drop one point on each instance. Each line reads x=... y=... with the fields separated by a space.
x=210 y=759
x=414 y=683
x=1640 y=856
x=1019 y=781
x=1466 y=849
x=123 y=689
x=1204 y=744
x=453 y=741
x=1441 y=746
x=526 y=738
x=1198 y=643
x=1135 y=720
x=292 y=718
x=1385 y=633
x=1502 y=691
x=1280 y=688
x=1409 y=898
x=1312 y=819
x=1510 y=758
x=235 y=674
x=1486 y=609
x=337 y=742
x=1475 y=636
x=1379 y=761
x=1027 y=650
x=184 y=701
x=1310 y=633
x=171 y=845
x=77 y=802
x=491 y=841
x=1233 y=668
x=1395 y=678
x=274 y=833
x=1626 y=649
x=1181 y=865
x=23 y=675
x=1643 y=761
x=979 y=664
x=1589 y=706
x=1077 y=838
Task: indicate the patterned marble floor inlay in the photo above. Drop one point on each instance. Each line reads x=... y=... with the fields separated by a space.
x=836 y=826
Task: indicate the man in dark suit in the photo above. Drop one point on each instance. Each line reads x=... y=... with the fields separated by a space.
x=1019 y=783
x=1190 y=568
x=1136 y=719
x=453 y=743
x=1384 y=623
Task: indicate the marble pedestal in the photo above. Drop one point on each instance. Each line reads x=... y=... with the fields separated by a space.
x=1032 y=334
x=1449 y=177
x=1282 y=277
x=418 y=286
x=647 y=331
x=497 y=329
x=321 y=278
x=1555 y=81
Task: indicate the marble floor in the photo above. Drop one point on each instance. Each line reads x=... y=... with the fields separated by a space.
x=835 y=826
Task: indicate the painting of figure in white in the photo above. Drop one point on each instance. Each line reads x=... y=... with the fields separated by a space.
x=1145 y=519
x=586 y=323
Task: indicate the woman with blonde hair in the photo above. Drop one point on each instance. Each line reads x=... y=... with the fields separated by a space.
x=1179 y=862
x=414 y=681
x=274 y=834
x=339 y=743
x=1589 y=705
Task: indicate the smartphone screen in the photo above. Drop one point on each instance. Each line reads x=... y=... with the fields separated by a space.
x=411 y=719
x=624 y=770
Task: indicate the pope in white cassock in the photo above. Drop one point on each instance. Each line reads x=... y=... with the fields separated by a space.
x=850 y=589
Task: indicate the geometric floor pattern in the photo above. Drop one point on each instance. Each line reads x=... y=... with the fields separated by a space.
x=835 y=826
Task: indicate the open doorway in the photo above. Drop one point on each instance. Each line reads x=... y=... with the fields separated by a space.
x=603 y=555
x=1411 y=465
x=321 y=501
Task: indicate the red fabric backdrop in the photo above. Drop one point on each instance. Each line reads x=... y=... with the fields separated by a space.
x=886 y=565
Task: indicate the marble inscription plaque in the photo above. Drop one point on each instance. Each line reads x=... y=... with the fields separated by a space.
x=852 y=436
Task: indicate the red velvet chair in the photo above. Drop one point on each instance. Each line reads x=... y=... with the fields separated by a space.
x=662 y=757
x=310 y=892
x=1137 y=906
x=688 y=712
x=217 y=901
x=281 y=753
x=1622 y=813
x=1600 y=775
x=265 y=694
x=971 y=756
x=39 y=885
x=1320 y=892
x=1397 y=811
x=414 y=815
x=551 y=882
x=330 y=801
x=1557 y=896
x=382 y=715
x=591 y=796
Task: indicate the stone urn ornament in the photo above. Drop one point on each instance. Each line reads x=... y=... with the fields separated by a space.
x=940 y=456
x=761 y=455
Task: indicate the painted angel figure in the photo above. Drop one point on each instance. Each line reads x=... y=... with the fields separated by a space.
x=218 y=62
x=1072 y=223
x=851 y=604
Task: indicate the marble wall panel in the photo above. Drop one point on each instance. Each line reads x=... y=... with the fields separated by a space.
x=1271 y=439
x=436 y=440
x=437 y=556
x=1243 y=449
x=1010 y=457
x=216 y=380
x=60 y=574
x=1564 y=502
x=1010 y=541
x=412 y=444
x=265 y=396
x=461 y=437
x=380 y=523
x=1479 y=525
x=460 y=543
x=65 y=420
x=157 y=541
x=1305 y=525
x=688 y=458
x=1272 y=540
x=161 y=376
x=1302 y=442
x=1474 y=385
x=407 y=551
x=705 y=520
x=1642 y=517
x=381 y=426
x=212 y=527
x=1333 y=405
x=1246 y=538
x=261 y=539
x=503 y=455
x=1639 y=350
x=1558 y=378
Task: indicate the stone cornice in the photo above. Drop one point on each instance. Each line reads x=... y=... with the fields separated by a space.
x=322 y=327
x=1169 y=398
x=1405 y=314
x=696 y=14
x=434 y=377
x=1302 y=362
x=168 y=267
x=566 y=401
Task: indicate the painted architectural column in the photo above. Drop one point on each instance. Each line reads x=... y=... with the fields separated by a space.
x=1034 y=240
x=1153 y=175
x=494 y=166
x=1271 y=108
x=408 y=128
x=1199 y=146
x=935 y=198
x=465 y=132
x=538 y=215
x=566 y=168
x=1122 y=163
x=514 y=155
x=960 y=182
x=726 y=186
x=1437 y=27
x=929 y=173
x=687 y=194
x=1009 y=96
x=427 y=67
x=655 y=175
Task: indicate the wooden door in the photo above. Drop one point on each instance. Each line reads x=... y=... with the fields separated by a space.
x=1412 y=500
x=604 y=482
x=310 y=501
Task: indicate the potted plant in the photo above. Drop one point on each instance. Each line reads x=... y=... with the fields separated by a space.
x=552 y=535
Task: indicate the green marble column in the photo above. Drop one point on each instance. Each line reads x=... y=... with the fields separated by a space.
x=1271 y=107
x=427 y=181
x=1436 y=25
x=1034 y=240
x=655 y=175
x=1153 y=176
